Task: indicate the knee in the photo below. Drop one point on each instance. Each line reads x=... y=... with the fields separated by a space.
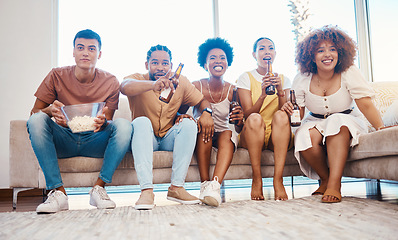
x=280 y=119
x=189 y=125
x=37 y=121
x=123 y=126
x=254 y=122
x=141 y=122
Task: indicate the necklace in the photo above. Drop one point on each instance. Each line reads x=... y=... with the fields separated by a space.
x=319 y=85
x=208 y=85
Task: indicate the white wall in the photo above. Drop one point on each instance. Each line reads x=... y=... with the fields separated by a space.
x=27 y=46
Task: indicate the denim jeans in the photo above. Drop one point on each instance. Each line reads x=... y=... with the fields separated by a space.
x=180 y=139
x=51 y=141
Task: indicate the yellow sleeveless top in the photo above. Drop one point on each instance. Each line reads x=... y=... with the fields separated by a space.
x=269 y=107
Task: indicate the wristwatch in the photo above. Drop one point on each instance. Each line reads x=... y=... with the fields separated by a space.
x=208 y=110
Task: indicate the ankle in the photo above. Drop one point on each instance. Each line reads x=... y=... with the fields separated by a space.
x=62 y=189
x=278 y=180
x=147 y=190
x=173 y=187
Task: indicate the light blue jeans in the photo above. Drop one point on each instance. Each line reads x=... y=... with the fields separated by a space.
x=51 y=141
x=180 y=139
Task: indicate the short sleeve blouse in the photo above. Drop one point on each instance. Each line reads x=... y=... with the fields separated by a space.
x=351 y=80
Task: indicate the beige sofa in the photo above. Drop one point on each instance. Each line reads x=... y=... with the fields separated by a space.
x=375 y=157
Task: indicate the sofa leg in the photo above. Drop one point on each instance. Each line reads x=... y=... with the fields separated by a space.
x=292 y=186
x=222 y=192
x=15 y=195
x=373 y=189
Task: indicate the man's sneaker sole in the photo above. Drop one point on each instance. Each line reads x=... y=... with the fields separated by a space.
x=144 y=206
x=50 y=212
x=211 y=201
x=92 y=203
x=183 y=202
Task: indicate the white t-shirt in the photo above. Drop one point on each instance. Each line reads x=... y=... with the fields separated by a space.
x=244 y=80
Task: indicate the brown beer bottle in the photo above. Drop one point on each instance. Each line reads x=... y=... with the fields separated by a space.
x=270 y=90
x=295 y=119
x=232 y=105
x=167 y=94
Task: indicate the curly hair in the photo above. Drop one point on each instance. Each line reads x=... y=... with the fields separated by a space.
x=212 y=43
x=306 y=49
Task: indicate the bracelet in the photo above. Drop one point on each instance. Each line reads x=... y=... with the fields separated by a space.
x=379 y=128
x=281 y=95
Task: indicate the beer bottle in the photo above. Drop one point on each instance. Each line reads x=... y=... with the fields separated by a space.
x=270 y=90
x=166 y=94
x=232 y=105
x=295 y=119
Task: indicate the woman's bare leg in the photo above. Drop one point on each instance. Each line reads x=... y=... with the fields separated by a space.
x=252 y=138
x=280 y=136
x=316 y=157
x=203 y=151
x=337 y=149
x=224 y=155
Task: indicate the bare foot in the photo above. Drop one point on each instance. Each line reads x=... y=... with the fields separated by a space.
x=257 y=190
x=322 y=188
x=279 y=190
x=330 y=198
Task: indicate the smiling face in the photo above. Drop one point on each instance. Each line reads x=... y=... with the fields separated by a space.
x=86 y=53
x=265 y=52
x=326 y=56
x=216 y=62
x=158 y=64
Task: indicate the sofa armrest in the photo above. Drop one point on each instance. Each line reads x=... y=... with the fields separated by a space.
x=24 y=167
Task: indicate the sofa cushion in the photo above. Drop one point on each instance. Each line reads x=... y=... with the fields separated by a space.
x=161 y=159
x=390 y=117
x=386 y=94
x=376 y=144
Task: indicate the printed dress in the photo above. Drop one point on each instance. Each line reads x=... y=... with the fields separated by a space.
x=353 y=86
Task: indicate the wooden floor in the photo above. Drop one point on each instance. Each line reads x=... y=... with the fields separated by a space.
x=384 y=191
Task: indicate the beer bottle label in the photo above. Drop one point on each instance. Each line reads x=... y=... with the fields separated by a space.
x=165 y=93
x=295 y=118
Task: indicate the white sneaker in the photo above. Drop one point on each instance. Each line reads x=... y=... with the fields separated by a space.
x=100 y=199
x=203 y=187
x=56 y=201
x=211 y=194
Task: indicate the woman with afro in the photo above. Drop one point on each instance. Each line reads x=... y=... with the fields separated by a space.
x=334 y=92
x=215 y=56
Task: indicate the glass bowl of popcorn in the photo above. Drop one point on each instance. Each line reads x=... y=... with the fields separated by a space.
x=80 y=117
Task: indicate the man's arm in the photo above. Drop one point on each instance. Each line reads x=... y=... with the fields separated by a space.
x=41 y=106
x=132 y=87
x=52 y=110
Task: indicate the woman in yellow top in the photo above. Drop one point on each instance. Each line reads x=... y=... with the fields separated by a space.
x=262 y=111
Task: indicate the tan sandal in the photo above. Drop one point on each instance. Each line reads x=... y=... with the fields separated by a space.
x=333 y=193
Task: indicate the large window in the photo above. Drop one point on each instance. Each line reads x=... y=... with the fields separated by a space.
x=242 y=24
x=129 y=28
x=383 y=20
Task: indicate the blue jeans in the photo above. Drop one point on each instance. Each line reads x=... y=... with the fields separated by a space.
x=51 y=141
x=180 y=139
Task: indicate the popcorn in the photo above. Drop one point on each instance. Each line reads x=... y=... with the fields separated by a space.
x=82 y=124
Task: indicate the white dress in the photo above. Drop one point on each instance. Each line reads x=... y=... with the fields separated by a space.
x=353 y=86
